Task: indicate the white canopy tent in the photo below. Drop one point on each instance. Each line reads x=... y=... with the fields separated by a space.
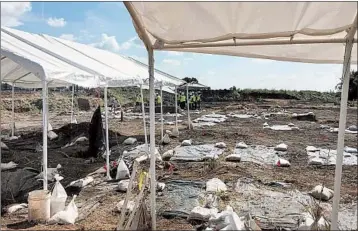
x=310 y=32
x=41 y=61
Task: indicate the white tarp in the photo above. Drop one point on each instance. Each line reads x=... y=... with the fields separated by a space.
x=220 y=22
x=26 y=58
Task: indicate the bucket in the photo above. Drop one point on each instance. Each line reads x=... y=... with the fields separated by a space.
x=39 y=202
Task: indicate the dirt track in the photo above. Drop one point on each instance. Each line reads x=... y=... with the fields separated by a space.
x=250 y=131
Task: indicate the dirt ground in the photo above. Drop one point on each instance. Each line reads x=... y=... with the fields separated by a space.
x=232 y=131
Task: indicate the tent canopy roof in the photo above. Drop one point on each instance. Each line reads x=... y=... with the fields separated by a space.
x=28 y=58
x=313 y=32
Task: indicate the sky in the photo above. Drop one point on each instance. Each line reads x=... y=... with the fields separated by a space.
x=107 y=25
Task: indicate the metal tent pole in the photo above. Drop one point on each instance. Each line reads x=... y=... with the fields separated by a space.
x=152 y=138
x=44 y=132
x=161 y=113
x=176 y=107
x=187 y=103
x=107 y=133
x=13 y=110
x=73 y=95
x=341 y=131
x=143 y=115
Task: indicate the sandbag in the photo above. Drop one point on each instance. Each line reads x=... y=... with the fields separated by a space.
x=202 y=214
x=58 y=197
x=324 y=194
x=7 y=166
x=166 y=139
x=3 y=146
x=241 y=145
x=122 y=171
x=283 y=163
x=130 y=141
x=311 y=149
x=220 y=145
x=307 y=223
x=167 y=155
x=130 y=206
x=186 y=143
x=215 y=185
x=123 y=185
x=316 y=161
x=52 y=135
x=160 y=186
x=281 y=147
x=175 y=132
x=350 y=150
x=227 y=220
x=15 y=207
x=51 y=172
x=67 y=216
x=233 y=158
x=96 y=135
x=353 y=128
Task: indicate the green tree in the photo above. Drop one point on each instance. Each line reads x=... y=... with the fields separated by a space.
x=190 y=80
x=353 y=86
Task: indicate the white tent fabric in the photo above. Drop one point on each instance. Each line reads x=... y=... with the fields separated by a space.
x=165 y=89
x=64 y=63
x=209 y=27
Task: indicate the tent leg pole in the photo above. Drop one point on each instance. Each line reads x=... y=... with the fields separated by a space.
x=107 y=133
x=187 y=103
x=13 y=110
x=176 y=108
x=73 y=95
x=152 y=137
x=44 y=132
x=161 y=113
x=143 y=115
x=341 y=133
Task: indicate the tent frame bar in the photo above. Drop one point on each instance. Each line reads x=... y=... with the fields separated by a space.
x=256 y=43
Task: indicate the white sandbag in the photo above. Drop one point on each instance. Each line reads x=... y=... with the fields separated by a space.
x=324 y=194
x=215 y=185
x=294 y=115
x=202 y=214
x=160 y=186
x=167 y=155
x=311 y=149
x=227 y=220
x=325 y=126
x=122 y=171
x=353 y=128
x=316 y=161
x=265 y=124
x=307 y=223
x=7 y=166
x=283 y=163
x=141 y=159
x=52 y=135
x=291 y=125
x=12 y=138
x=49 y=127
x=281 y=147
x=350 y=150
x=58 y=197
x=233 y=158
x=81 y=139
x=166 y=139
x=67 y=216
x=186 y=143
x=175 y=132
x=130 y=206
x=220 y=145
x=210 y=201
x=15 y=207
x=123 y=185
x=241 y=145
x=82 y=182
x=3 y=146
x=51 y=172
x=130 y=141
x=74 y=121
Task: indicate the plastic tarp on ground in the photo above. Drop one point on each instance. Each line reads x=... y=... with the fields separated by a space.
x=218 y=23
x=196 y=153
x=27 y=58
